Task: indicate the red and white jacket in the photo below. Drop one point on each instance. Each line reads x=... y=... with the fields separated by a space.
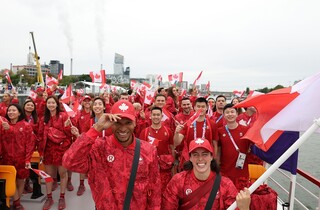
x=108 y=165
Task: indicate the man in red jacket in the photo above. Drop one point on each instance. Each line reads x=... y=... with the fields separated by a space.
x=108 y=162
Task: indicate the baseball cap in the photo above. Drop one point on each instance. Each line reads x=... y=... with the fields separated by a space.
x=200 y=143
x=124 y=108
x=86 y=97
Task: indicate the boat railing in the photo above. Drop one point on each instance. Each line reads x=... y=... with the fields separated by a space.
x=291 y=191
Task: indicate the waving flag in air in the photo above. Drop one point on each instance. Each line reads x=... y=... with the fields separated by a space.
x=67 y=95
x=99 y=77
x=60 y=75
x=159 y=78
x=69 y=111
x=208 y=86
x=47 y=178
x=51 y=81
x=193 y=118
x=238 y=93
x=286 y=109
x=33 y=95
x=254 y=93
x=196 y=81
x=175 y=78
x=148 y=98
x=7 y=76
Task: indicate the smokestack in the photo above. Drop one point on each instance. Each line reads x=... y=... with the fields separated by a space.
x=71 y=66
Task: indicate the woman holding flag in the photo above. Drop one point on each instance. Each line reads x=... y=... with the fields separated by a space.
x=17 y=143
x=55 y=139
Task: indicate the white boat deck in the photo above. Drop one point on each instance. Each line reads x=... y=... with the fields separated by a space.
x=73 y=201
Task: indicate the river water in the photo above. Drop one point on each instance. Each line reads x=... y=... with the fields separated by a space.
x=309 y=161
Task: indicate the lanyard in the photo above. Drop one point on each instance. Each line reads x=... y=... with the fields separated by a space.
x=219 y=118
x=30 y=119
x=232 y=140
x=203 y=129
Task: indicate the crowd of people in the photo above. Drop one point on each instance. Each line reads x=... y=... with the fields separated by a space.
x=134 y=155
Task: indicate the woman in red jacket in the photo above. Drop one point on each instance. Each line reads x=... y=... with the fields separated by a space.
x=17 y=144
x=172 y=103
x=55 y=139
x=191 y=188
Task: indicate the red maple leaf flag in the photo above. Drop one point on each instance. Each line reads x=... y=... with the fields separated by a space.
x=99 y=77
x=47 y=178
x=238 y=93
x=174 y=78
x=208 y=86
x=69 y=111
x=7 y=76
x=60 y=75
x=183 y=92
x=67 y=95
x=159 y=78
x=193 y=118
x=286 y=109
x=33 y=95
x=254 y=93
x=195 y=81
x=51 y=81
x=148 y=98
x=133 y=84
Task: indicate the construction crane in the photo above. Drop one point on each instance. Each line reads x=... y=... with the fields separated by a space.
x=37 y=58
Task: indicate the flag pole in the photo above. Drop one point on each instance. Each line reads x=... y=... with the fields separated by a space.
x=282 y=159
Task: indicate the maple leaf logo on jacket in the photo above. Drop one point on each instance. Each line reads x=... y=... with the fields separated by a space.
x=123 y=107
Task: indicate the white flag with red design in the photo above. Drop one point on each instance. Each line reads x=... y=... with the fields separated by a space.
x=51 y=81
x=80 y=92
x=238 y=93
x=165 y=115
x=208 y=86
x=99 y=77
x=60 y=75
x=143 y=88
x=148 y=98
x=196 y=80
x=183 y=92
x=69 y=111
x=210 y=109
x=47 y=178
x=174 y=78
x=193 y=118
x=254 y=93
x=67 y=95
x=7 y=76
x=153 y=141
x=133 y=84
x=159 y=78
x=33 y=95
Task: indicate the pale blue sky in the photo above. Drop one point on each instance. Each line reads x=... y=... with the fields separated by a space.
x=237 y=44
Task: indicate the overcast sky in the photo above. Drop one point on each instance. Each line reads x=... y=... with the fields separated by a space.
x=237 y=44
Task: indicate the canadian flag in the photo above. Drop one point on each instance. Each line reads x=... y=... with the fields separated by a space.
x=195 y=81
x=47 y=178
x=67 y=95
x=105 y=87
x=210 y=109
x=80 y=92
x=7 y=76
x=165 y=115
x=69 y=111
x=183 y=92
x=208 y=86
x=51 y=81
x=60 y=74
x=281 y=110
x=33 y=95
x=76 y=106
x=193 y=118
x=99 y=77
x=159 y=78
x=254 y=93
x=148 y=98
x=174 y=78
x=238 y=93
x=133 y=84
x=143 y=88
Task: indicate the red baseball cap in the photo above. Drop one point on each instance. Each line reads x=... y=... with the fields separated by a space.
x=200 y=143
x=86 y=97
x=124 y=108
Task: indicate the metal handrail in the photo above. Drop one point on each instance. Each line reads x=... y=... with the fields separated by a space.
x=306 y=176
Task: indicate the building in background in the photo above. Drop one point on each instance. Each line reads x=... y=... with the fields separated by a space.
x=120 y=75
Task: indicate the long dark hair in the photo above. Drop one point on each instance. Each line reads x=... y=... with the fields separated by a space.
x=187 y=166
x=47 y=114
x=93 y=115
x=21 y=117
x=33 y=113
